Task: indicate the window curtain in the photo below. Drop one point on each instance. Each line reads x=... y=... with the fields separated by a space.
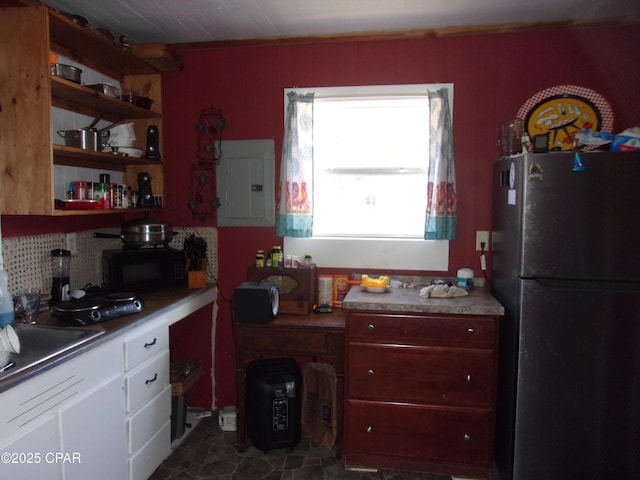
x=441 y=190
x=295 y=190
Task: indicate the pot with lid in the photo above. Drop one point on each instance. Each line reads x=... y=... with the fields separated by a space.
x=142 y=232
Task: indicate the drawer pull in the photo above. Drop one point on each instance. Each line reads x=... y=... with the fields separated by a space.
x=471 y=331
x=468 y=378
x=369 y=429
x=371 y=327
x=147 y=345
x=467 y=437
x=155 y=377
x=370 y=372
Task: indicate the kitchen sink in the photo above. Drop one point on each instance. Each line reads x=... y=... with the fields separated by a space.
x=39 y=343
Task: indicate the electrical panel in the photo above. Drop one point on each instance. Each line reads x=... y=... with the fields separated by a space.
x=245 y=183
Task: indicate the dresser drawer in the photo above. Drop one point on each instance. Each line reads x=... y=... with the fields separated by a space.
x=144 y=344
x=459 y=330
x=147 y=381
x=430 y=375
x=453 y=436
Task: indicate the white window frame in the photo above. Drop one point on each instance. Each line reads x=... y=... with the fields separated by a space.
x=381 y=253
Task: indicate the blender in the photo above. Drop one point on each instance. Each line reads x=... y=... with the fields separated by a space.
x=60 y=263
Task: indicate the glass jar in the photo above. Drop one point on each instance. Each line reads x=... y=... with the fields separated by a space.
x=260 y=258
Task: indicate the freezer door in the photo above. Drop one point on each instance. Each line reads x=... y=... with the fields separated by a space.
x=568 y=217
x=578 y=382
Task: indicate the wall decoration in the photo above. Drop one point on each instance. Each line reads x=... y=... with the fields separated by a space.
x=564 y=110
x=203 y=201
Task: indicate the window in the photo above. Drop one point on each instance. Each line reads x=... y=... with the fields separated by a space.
x=370 y=150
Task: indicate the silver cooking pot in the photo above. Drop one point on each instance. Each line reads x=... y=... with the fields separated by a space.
x=85 y=138
x=142 y=232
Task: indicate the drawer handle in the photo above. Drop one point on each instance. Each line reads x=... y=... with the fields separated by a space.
x=467 y=437
x=371 y=327
x=369 y=429
x=471 y=331
x=147 y=345
x=468 y=378
x=370 y=372
x=155 y=377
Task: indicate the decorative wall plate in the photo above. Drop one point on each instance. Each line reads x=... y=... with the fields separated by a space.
x=563 y=111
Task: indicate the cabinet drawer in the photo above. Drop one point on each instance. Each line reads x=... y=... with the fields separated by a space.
x=147 y=381
x=144 y=463
x=289 y=341
x=144 y=344
x=454 y=436
x=149 y=420
x=458 y=330
x=445 y=376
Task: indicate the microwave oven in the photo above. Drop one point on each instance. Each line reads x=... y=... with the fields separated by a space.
x=146 y=268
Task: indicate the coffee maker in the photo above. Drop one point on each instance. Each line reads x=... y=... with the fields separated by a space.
x=60 y=263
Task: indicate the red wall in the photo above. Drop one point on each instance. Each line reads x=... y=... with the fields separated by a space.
x=493 y=75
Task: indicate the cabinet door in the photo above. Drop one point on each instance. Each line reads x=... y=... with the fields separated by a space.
x=93 y=434
x=28 y=456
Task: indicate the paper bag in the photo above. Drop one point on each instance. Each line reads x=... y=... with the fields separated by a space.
x=319 y=422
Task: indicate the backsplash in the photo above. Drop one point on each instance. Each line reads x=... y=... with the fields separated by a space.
x=27 y=260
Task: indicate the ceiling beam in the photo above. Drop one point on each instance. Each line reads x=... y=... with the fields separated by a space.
x=416 y=33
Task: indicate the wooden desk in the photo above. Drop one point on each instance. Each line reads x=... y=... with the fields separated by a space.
x=319 y=336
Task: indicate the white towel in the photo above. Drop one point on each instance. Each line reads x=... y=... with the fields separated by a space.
x=442 y=291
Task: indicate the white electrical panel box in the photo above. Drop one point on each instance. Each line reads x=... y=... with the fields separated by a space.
x=245 y=183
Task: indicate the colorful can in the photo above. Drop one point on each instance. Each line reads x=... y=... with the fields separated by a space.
x=340 y=289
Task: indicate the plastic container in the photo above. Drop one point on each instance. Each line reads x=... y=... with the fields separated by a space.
x=7 y=315
x=465 y=279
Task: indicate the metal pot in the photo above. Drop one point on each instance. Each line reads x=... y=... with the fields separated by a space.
x=85 y=138
x=142 y=232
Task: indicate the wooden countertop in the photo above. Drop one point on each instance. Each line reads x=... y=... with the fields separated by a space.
x=408 y=300
x=178 y=302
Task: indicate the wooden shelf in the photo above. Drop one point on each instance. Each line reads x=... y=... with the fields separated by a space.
x=69 y=95
x=90 y=49
x=77 y=157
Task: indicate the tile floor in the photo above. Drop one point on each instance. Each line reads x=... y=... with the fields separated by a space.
x=208 y=453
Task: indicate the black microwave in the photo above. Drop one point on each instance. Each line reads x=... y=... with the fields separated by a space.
x=145 y=268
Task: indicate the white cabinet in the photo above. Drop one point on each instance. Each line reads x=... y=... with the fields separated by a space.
x=67 y=422
x=24 y=457
x=92 y=438
x=148 y=398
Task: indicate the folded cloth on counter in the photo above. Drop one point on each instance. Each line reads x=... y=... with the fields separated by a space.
x=442 y=291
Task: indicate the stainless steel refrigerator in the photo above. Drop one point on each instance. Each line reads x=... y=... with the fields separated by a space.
x=566 y=267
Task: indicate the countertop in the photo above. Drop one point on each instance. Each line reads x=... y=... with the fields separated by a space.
x=178 y=302
x=408 y=300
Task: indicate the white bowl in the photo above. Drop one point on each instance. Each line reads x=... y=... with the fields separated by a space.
x=9 y=341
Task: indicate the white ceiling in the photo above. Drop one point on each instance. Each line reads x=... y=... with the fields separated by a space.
x=185 y=21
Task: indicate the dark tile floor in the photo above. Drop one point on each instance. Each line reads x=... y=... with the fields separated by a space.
x=209 y=453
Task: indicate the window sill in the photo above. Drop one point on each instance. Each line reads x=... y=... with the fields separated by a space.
x=386 y=254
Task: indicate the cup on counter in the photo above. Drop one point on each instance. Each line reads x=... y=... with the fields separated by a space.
x=27 y=305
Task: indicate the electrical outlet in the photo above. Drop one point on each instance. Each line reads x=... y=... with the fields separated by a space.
x=482 y=236
x=72 y=243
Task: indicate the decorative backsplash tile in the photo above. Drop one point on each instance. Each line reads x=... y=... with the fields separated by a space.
x=27 y=260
